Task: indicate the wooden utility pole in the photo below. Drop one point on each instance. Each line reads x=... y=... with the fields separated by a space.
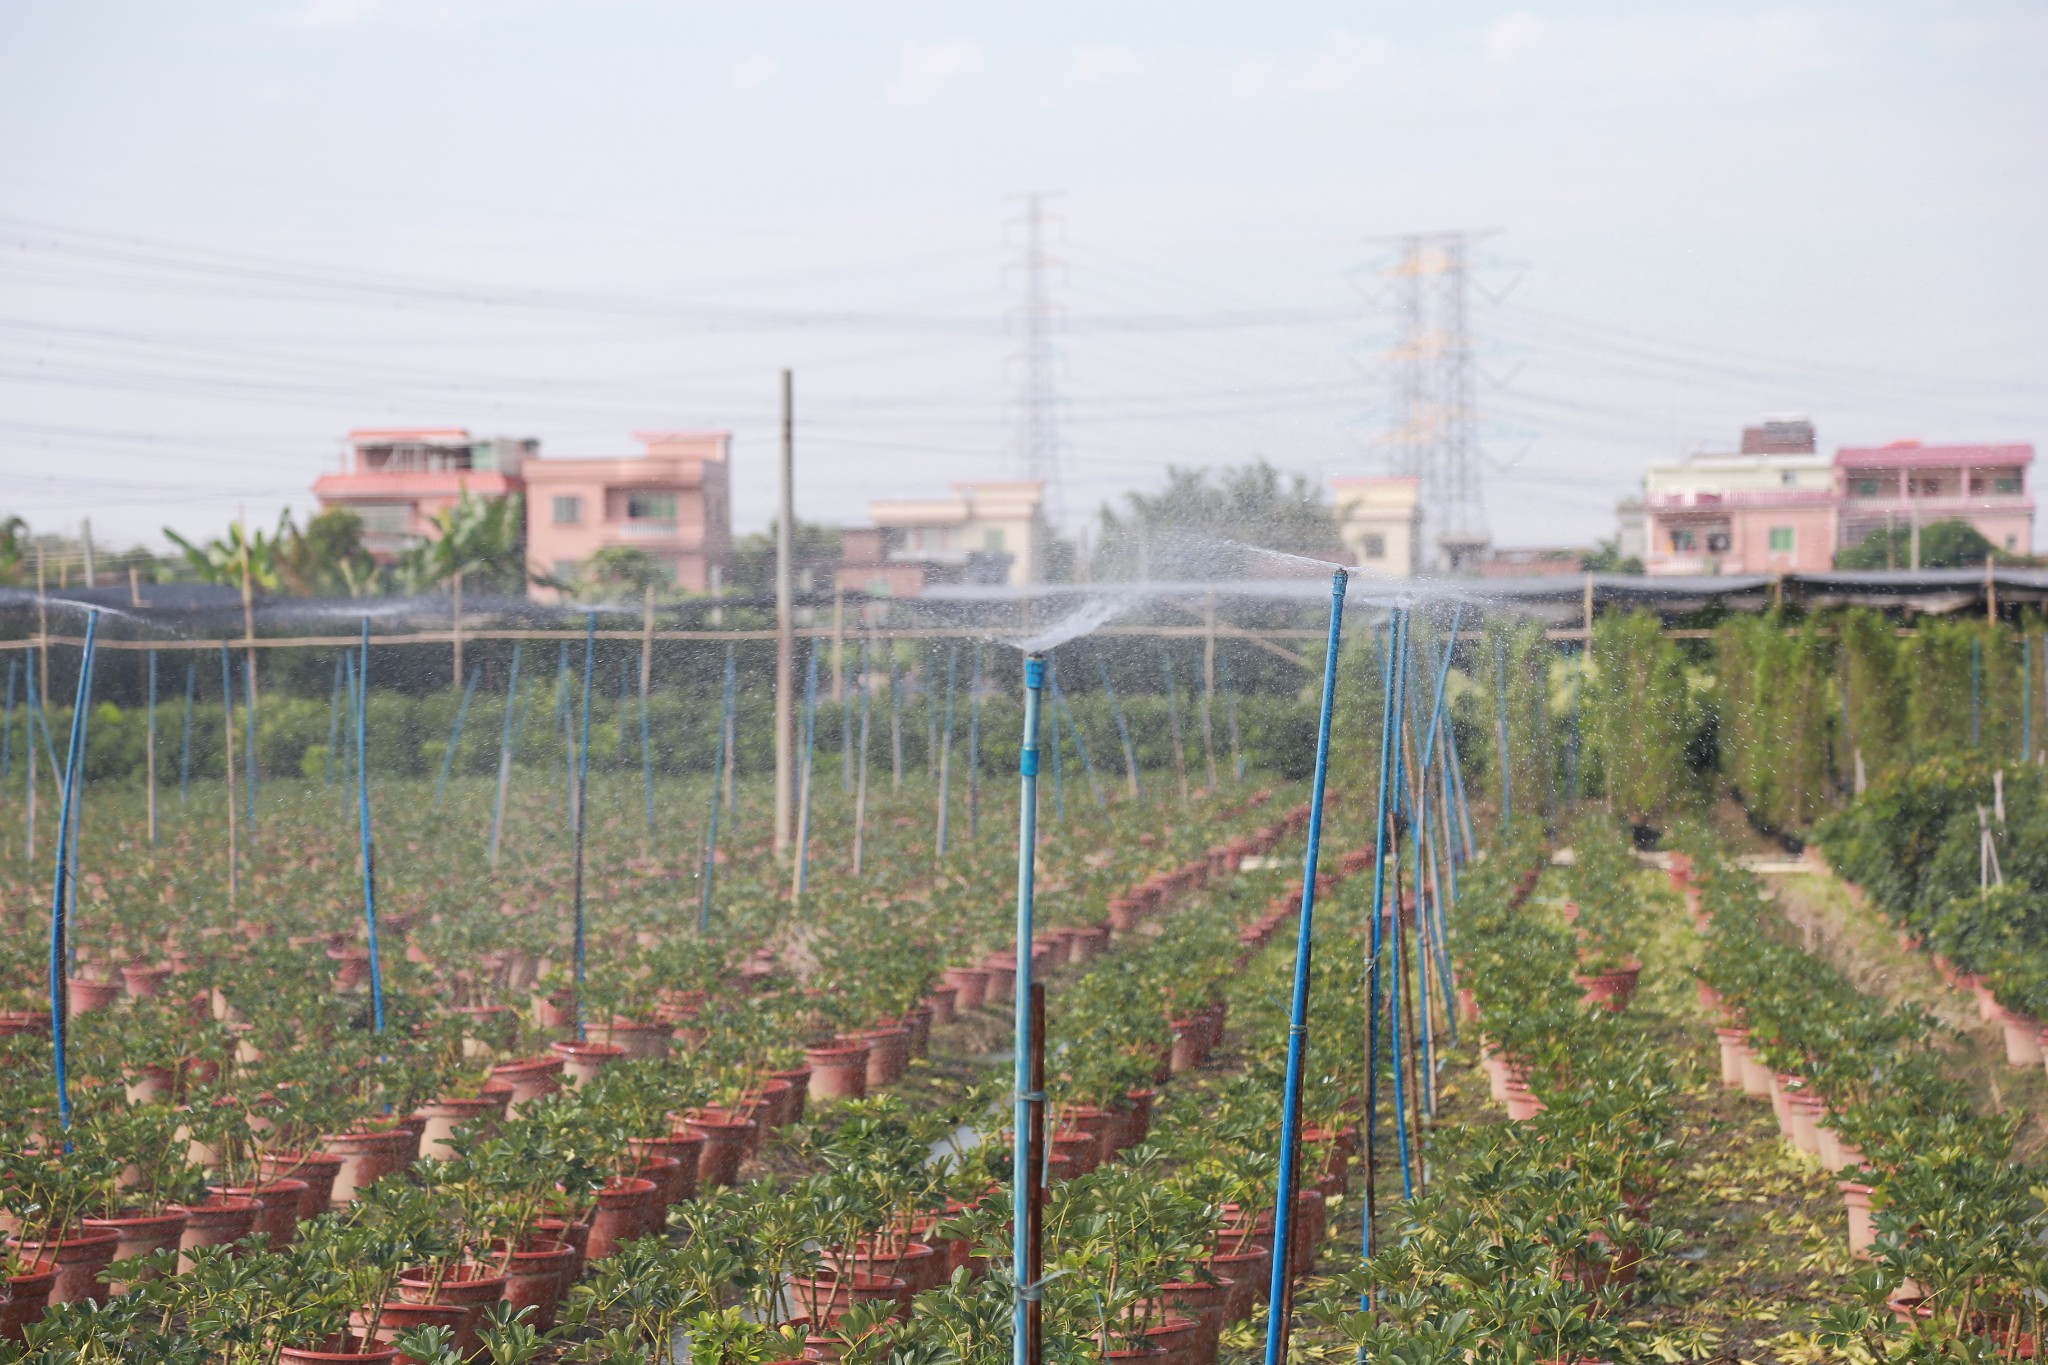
x=1589 y=607
x=785 y=628
x=1990 y=589
x=135 y=587
x=456 y=632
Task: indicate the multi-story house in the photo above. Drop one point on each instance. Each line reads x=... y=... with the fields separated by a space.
x=673 y=501
x=1906 y=483
x=398 y=479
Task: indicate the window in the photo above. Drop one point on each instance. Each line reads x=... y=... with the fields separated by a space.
x=2005 y=481
x=1788 y=477
x=385 y=518
x=568 y=509
x=1375 y=546
x=1864 y=488
x=1684 y=540
x=1718 y=542
x=651 y=507
x=1781 y=540
x=992 y=541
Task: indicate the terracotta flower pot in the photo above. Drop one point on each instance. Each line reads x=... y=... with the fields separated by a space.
x=918 y=1019
x=79 y=1258
x=402 y=1316
x=442 y=1118
x=1862 y=1231
x=888 y=1054
x=318 y=1169
x=942 y=1002
x=346 y=1351
x=145 y=982
x=725 y=1146
x=582 y=1061
x=1612 y=990
x=918 y=1264
x=627 y=1210
x=1733 y=1043
x=640 y=1040
x=83 y=996
x=472 y=1288
x=1205 y=1302
x=367 y=1157
x=1522 y=1102
x=970 y=987
x=2022 y=1039
x=798 y=1099
x=686 y=1149
x=281 y=1200
x=28 y=1294
x=1002 y=978
x=839 y=1070
x=1249 y=1272
x=218 y=1222
x=825 y=1298
x=530 y=1079
x=536 y=1277
x=140 y=1235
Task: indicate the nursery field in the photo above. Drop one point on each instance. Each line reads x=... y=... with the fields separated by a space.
x=1580 y=1066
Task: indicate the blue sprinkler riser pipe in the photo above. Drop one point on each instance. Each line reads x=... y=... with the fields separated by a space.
x=1282 y=1287
x=1443 y=676
x=455 y=735
x=582 y=784
x=60 y=896
x=369 y=845
x=1021 y=1173
x=1379 y=892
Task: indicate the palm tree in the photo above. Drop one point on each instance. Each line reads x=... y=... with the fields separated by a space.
x=13 y=549
x=483 y=539
x=239 y=554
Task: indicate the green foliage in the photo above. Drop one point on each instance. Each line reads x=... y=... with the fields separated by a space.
x=483 y=539
x=1642 y=719
x=1170 y=534
x=1950 y=544
x=1777 y=716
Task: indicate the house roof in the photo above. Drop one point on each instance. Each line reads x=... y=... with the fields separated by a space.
x=1914 y=453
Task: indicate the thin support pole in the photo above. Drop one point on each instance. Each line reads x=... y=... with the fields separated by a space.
x=1976 y=692
x=895 y=723
x=1025 y=1291
x=334 y=718
x=61 y=953
x=721 y=762
x=148 y=747
x=1507 y=776
x=582 y=786
x=508 y=734
x=860 y=781
x=973 y=748
x=1230 y=713
x=1059 y=701
x=185 y=748
x=1209 y=686
x=646 y=736
x=28 y=737
x=227 y=707
x=1123 y=731
x=1059 y=780
x=2026 y=697
x=249 y=719
x=455 y=735
x=1180 y=757
x=369 y=843
x=946 y=747
x=803 y=812
x=1281 y=1294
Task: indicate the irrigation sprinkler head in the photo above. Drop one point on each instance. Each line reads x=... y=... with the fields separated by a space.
x=1034 y=671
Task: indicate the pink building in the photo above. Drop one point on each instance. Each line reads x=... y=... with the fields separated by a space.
x=1907 y=482
x=674 y=502
x=397 y=479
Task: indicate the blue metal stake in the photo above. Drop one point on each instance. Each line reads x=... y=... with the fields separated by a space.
x=946 y=747
x=973 y=747
x=149 y=767
x=1282 y=1287
x=60 y=900
x=582 y=784
x=1230 y=709
x=455 y=735
x=1059 y=701
x=1023 y=1295
x=1123 y=731
x=249 y=717
x=363 y=822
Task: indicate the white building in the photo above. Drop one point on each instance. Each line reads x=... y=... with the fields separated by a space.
x=979 y=525
x=1380 y=521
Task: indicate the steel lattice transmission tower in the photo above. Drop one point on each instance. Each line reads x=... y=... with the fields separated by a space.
x=1038 y=437
x=1435 y=436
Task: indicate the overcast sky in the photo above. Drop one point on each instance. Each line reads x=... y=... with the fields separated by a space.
x=230 y=230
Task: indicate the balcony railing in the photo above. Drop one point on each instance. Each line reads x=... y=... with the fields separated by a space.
x=650 y=530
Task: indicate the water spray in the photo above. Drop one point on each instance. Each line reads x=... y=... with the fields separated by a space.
x=1282 y=1288
x=1123 y=731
